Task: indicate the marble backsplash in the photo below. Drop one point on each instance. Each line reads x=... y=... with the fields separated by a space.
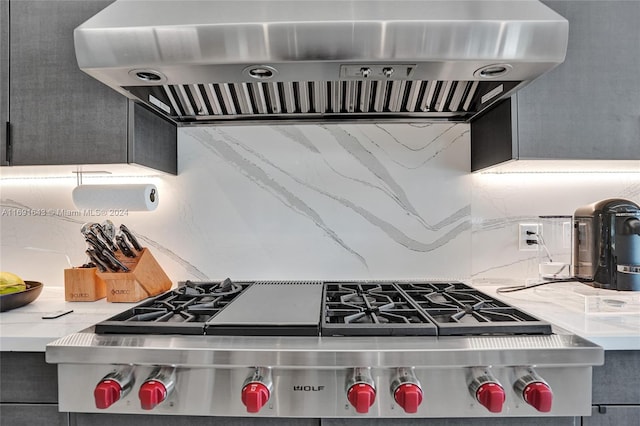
x=500 y=202
x=277 y=202
x=312 y=202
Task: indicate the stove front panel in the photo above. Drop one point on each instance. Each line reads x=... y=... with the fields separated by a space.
x=213 y=391
x=318 y=377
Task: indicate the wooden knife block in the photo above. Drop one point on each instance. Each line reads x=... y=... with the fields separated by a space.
x=144 y=279
x=83 y=285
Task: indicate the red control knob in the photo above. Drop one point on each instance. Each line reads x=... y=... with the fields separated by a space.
x=492 y=396
x=254 y=396
x=151 y=393
x=107 y=393
x=409 y=397
x=539 y=396
x=361 y=396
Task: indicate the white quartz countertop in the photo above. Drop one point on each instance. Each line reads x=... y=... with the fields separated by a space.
x=24 y=329
x=608 y=318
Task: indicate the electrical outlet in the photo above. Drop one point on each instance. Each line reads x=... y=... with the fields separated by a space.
x=523 y=228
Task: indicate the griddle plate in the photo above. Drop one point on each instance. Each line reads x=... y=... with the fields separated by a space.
x=272 y=309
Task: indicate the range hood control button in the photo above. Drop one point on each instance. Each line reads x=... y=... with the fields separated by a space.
x=409 y=397
x=387 y=72
x=256 y=390
x=366 y=72
x=255 y=396
x=361 y=396
x=539 y=396
x=157 y=387
x=107 y=393
x=492 y=396
x=534 y=390
x=113 y=387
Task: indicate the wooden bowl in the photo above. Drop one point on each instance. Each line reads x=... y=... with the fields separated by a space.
x=21 y=298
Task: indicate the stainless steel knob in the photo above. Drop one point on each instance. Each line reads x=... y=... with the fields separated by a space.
x=406 y=389
x=486 y=389
x=113 y=387
x=533 y=389
x=257 y=389
x=157 y=387
x=361 y=389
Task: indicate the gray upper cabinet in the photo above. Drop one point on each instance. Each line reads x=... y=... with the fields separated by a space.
x=586 y=108
x=4 y=79
x=60 y=115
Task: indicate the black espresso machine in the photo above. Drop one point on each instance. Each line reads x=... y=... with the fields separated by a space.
x=606 y=244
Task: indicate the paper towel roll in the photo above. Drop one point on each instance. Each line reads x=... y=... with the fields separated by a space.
x=142 y=197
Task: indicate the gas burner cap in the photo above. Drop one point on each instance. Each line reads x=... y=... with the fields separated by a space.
x=356 y=298
x=226 y=287
x=188 y=290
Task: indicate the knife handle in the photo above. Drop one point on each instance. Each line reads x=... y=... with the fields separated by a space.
x=114 y=261
x=106 y=261
x=99 y=264
x=130 y=237
x=124 y=247
x=95 y=243
x=102 y=236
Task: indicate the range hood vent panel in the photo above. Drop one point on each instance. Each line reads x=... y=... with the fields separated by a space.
x=313 y=100
x=202 y=61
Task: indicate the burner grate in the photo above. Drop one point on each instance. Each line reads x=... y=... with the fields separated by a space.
x=458 y=309
x=184 y=310
x=371 y=309
x=343 y=308
x=424 y=308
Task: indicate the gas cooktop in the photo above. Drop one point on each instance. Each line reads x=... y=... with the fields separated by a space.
x=313 y=308
x=278 y=349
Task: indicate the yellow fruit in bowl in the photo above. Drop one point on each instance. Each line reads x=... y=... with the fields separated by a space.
x=11 y=283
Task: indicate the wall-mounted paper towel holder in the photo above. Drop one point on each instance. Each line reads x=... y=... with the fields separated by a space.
x=130 y=197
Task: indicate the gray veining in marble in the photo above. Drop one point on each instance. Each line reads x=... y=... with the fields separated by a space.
x=346 y=185
x=502 y=202
x=333 y=201
x=258 y=175
x=9 y=204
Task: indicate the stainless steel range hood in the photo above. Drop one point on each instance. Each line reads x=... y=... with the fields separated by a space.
x=203 y=62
